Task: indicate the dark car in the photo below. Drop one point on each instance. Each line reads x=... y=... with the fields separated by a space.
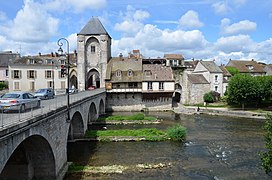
x=45 y=93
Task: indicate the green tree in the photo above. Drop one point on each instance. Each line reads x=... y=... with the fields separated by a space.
x=232 y=70
x=242 y=90
x=266 y=157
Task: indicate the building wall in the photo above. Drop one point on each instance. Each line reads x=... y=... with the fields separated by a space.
x=135 y=102
x=196 y=93
x=39 y=82
x=168 y=86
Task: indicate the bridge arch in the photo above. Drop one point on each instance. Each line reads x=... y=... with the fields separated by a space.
x=101 y=107
x=92 y=115
x=76 y=128
x=32 y=159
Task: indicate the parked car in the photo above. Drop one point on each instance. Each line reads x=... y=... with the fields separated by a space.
x=45 y=93
x=18 y=101
x=73 y=91
x=91 y=87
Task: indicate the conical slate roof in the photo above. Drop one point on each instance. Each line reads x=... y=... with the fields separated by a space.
x=93 y=27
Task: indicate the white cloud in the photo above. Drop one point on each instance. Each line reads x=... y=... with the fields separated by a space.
x=239 y=43
x=221 y=7
x=132 y=21
x=236 y=28
x=154 y=39
x=31 y=24
x=190 y=20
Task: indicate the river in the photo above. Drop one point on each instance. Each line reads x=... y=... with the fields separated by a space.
x=216 y=147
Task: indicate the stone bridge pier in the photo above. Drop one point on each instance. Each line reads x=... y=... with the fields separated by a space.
x=37 y=148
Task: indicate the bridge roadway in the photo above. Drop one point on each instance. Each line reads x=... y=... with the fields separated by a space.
x=8 y=119
x=33 y=145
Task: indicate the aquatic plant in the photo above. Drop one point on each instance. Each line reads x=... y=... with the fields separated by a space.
x=176 y=133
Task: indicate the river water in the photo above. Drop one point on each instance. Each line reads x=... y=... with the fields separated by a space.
x=216 y=147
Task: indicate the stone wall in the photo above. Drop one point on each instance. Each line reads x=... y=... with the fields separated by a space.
x=135 y=102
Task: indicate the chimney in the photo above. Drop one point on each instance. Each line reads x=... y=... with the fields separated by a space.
x=52 y=54
x=121 y=56
x=75 y=53
x=40 y=54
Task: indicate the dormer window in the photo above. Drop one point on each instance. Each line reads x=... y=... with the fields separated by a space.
x=118 y=73
x=130 y=73
x=31 y=61
x=147 y=73
x=250 y=67
x=92 y=49
x=49 y=61
x=62 y=61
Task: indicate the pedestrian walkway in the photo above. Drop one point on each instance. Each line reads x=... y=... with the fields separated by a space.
x=190 y=110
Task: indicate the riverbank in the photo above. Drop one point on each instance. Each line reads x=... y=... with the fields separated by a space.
x=191 y=110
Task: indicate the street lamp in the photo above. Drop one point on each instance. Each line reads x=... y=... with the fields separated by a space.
x=60 y=44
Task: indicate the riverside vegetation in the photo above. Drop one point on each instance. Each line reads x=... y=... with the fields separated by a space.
x=173 y=133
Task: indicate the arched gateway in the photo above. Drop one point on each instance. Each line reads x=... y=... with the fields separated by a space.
x=94 y=52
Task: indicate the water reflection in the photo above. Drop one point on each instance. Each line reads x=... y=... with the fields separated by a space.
x=216 y=148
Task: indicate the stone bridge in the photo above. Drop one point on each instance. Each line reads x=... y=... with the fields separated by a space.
x=37 y=148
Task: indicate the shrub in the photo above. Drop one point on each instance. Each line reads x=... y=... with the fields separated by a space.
x=208 y=97
x=3 y=85
x=176 y=133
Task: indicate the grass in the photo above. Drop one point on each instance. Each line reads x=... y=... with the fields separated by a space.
x=135 y=117
x=175 y=133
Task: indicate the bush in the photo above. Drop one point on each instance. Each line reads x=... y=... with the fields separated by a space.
x=208 y=97
x=176 y=133
x=3 y=85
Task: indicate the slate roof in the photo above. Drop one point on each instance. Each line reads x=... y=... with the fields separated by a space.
x=159 y=72
x=6 y=57
x=243 y=66
x=211 y=66
x=197 y=79
x=93 y=27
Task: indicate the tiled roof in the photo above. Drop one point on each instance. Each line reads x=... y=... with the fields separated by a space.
x=246 y=66
x=211 y=66
x=225 y=71
x=124 y=64
x=197 y=79
x=191 y=64
x=93 y=27
x=173 y=56
x=159 y=72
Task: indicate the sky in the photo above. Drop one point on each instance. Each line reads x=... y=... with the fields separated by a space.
x=198 y=29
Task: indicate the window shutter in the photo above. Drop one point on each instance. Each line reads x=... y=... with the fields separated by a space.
x=20 y=74
x=28 y=74
x=12 y=74
x=35 y=74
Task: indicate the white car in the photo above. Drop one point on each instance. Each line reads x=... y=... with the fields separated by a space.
x=18 y=101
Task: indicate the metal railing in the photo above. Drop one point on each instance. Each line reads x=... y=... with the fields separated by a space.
x=9 y=119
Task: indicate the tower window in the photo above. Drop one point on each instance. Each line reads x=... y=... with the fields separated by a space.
x=118 y=73
x=92 y=49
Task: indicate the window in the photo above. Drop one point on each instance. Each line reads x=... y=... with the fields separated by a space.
x=132 y=85
x=148 y=73
x=130 y=73
x=31 y=74
x=216 y=78
x=161 y=86
x=48 y=74
x=118 y=73
x=215 y=88
x=62 y=61
x=16 y=74
x=16 y=86
x=50 y=84
x=92 y=49
x=49 y=61
x=149 y=86
x=7 y=73
x=250 y=67
x=31 y=61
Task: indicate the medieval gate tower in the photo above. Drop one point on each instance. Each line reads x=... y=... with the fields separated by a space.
x=94 y=52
